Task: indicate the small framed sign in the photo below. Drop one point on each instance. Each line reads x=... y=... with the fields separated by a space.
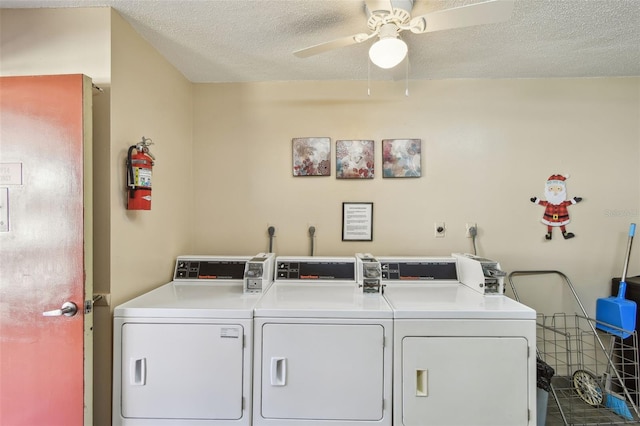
x=357 y=221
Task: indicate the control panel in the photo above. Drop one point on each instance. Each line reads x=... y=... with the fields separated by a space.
x=418 y=269
x=209 y=269
x=315 y=269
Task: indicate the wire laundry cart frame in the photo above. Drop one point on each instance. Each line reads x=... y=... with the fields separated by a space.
x=596 y=373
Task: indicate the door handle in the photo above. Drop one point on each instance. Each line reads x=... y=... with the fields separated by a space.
x=138 y=375
x=422 y=382
x=68 y=309
x=278 y=371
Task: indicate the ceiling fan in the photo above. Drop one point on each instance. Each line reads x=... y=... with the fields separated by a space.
x=388 y=18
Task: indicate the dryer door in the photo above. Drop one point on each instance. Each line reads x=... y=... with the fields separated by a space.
x=182 y=371
x=322 y=371
x=480 y=381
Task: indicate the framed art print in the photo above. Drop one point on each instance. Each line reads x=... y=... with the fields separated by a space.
x=401 y=158
x=311 y=156
x=357 y=221
x=354 y=159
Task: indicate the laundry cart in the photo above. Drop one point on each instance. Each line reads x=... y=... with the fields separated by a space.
x=593 y=369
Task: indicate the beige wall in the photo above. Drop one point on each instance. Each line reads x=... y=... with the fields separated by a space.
x=149 y=98
x=45 y=41
x=487 y=147
x=223 y=173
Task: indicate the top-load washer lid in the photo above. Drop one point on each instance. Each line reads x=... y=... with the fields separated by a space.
x=203 y=287
x=428 y=288
x=457 y=301
x=193 y=300
x=319 y=287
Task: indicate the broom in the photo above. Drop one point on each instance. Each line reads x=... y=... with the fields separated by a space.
x=614 y=401
x=620 y=313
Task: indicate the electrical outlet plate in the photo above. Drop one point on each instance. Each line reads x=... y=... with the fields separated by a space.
x=439 y=229
x=469 y=226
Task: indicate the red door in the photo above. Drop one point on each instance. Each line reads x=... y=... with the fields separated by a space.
x=42 y=254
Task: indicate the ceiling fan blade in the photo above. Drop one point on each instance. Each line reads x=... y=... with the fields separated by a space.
x=489 y=12
x=333 y=44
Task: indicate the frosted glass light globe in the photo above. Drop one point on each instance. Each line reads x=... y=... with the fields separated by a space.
x=388 y=52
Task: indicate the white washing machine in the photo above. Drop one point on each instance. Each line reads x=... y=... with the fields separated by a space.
x=463 y=356
x=183 y=352
x=322 y=347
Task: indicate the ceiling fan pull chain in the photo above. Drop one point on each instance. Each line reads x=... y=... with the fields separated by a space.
x=406 y=76
x=368 y=77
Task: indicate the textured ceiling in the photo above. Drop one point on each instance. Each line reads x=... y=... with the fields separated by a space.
x=253 y=40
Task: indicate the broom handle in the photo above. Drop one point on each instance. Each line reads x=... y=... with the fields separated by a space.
x=632 y=231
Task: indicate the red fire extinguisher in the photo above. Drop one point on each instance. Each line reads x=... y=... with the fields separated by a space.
x=139 y=172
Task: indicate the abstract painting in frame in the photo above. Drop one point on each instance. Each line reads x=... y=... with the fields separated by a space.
x=401 y=158
x=354 y=159
x=311 y=156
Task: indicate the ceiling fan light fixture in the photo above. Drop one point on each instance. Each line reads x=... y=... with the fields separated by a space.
x=390 y=50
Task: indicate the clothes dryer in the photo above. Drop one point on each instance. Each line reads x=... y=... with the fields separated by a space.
x=461 y=357
x=183 y=352
x=323 y=354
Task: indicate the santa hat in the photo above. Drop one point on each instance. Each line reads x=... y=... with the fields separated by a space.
x=557 y=180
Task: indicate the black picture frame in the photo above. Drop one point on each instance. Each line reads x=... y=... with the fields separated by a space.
x=357 y=221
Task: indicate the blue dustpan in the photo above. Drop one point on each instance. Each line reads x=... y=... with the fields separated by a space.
x=618 y=311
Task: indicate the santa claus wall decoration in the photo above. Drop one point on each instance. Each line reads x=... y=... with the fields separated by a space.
x=555 y=207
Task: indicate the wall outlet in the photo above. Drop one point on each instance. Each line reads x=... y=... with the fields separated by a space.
x=469 y=233
x=439 y=229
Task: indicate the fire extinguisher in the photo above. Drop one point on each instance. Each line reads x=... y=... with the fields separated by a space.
x=139 y=172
